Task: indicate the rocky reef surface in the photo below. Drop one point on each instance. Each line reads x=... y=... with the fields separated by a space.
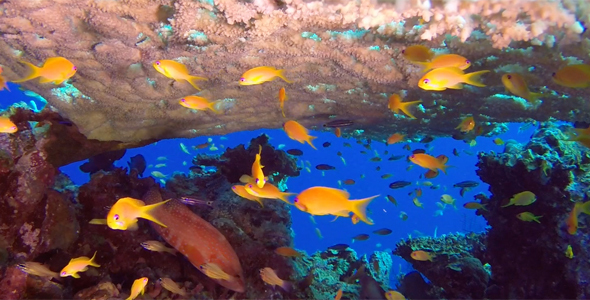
x=46 y=219
x=515 y=259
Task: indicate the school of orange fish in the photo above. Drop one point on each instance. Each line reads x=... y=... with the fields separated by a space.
x=442 y=72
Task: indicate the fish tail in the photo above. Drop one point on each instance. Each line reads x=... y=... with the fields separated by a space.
x=426 y=65
x=474 y=78
x=404 y=107
x=285 y=197
x=287 y=286
x=34 y=72
x=509 y=203
x=534 y=97
x=359 y=208
x=282 y=76
x=537 y=219
x=191 y=79
x=212 y=107
x=311 y=138
x=145 y=212
x=92 y=262
x=260 y=202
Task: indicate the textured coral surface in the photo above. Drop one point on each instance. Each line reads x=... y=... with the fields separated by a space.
x=344 y=58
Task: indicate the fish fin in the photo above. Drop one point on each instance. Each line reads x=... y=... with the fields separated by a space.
x=509 y=203
x=246 y=179
x=335 y=218
x=285 y=197
x=287 y=286
x=359 y=208
x=146 y=210
x=260 y=202
x=343 y=213
x=311 y=138
x=92 y=262
x=59 y=81
x=212 y=107
x=191 y=79
x=75 y=275
x=426 y=65
x=458 y=86
x=404 y=107
x=133 y=226
x=534 y=97
x=98 y=222
x=537 y=219
x=34 y=72
x=474 y=78
x=442 y=158
x=282 y=76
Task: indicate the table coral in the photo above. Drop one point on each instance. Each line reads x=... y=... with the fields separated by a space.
x=344 y=56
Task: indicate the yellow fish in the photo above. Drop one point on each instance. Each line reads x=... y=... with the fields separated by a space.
x=79 y=264
x=177 y=71
x=418 y=53
x=125 y=212
x=528 y=217
x=446 y=60
x=260 y=75
x=171 y=286
x=214 y=271
x=3 y=82
x=282 y=99
x=522 y=199
x=55 y=69
x=448 y=199
x=396 y=104
x=449 y=78
x=569 y=253
x=322 y=201
x=466 y=125
x=198 y=103
x=417 y=203
x=7 y=126
x=269 y=191
x=574 y=76
x=516 y=84
x=498 y=141
x=423 y=255
x=269 y=276
x=257 y=173
x=297 y=132
x=157 y=247
x=429 y=162
x=138 y=288
x=38 y=269
x=240 y=190
x=394 y=295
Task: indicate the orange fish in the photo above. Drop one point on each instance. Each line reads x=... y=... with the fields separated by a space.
x=7 y=126
x=466 y=125
x=124 y=214
x=418 y=53
x=574 y=76
x=431 y=174
x=322 y=201
x=269 y=276
x=77 y=265
x=394 y=138
x=202 y=146
x=338 y=294
x=355 y=219
x=338 y=132
x=423 y=255
x=269 y=191
x=55 y=69
x=3 y=82
x=177 y=71
x=572 y=220
x=516 y=84
x=240 y=190
x=396 y=104
x=282 y=99
x=198 y=103
x=429 y=162
x=257 y=166
x=394 y=295
x=297 y=132
x=446 y=60
x=287 y=252
x=449 y=78
x=197 y=239
x=260 y=75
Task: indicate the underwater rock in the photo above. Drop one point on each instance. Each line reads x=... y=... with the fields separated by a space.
x=42 y=288
x=457 y=267
x=527 y=258
x=102 y=162
x=413 y=286
x=13 y=283
x=102 y=291
x=235 y=162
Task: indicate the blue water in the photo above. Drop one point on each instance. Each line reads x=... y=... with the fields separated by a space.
x=421 y=221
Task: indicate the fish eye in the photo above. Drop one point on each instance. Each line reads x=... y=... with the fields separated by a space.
x=257 y=180
x=63 y=273
x=157 y=63
x=74 y=68
x=404 y=51
x=467 y=61
x=509 y=76
x=553 y=74
x=242 y=79
x=295 y=200
x=426 y=81
x=116 y=217
x=183 y=100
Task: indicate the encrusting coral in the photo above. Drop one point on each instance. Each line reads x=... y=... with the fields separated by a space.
x=343 y=56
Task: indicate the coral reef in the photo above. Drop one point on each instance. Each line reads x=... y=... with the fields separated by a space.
x=343 y=56
x=457 y=267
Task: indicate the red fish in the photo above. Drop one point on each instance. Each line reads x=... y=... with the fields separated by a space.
x=197 y=239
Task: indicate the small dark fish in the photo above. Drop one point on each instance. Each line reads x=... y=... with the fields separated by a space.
x=67 y=123
x=467 y=183
x=349 y=181
x=416 y=151
x=468 y=152
x=295 y=152
x=396 y=157
x=427 y=140
x=361 y=237
x=455 y=152
x=363 y=152
x=325 y=167
x=339 y=153
x=326 y=144
x=347 y=145
x=463 y=191
x=407 y=147
x=375 y=159
x=385 y=152
x=367 y=146
x=137 y=163
x=193 y=201
x=339 y=247
x=392 y=200
x=339 y=123
x=359 y=142
x=399 y=184
x=378 y=168
x=383 y=231
x=385 y=176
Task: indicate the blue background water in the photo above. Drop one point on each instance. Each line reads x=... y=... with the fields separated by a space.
x=421 y=221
